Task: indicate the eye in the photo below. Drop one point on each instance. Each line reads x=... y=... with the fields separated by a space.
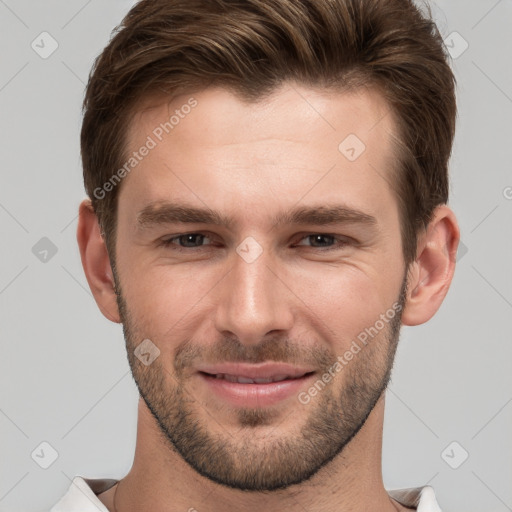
x=324 y=241
x=321 y=241
x=186 y=241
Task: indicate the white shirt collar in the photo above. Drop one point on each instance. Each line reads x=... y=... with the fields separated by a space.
x=81 y=496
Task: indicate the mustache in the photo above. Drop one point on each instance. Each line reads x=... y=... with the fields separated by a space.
x=231 y=350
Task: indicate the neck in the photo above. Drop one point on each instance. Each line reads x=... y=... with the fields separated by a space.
x=161 y=481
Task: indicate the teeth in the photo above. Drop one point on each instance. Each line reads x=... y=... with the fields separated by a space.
x=243 y=380
x=246 y=380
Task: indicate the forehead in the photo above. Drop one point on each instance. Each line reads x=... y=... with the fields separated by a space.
x=213 y=139
x=358 y=110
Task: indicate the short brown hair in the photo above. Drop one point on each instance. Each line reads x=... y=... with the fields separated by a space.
x=253 y=46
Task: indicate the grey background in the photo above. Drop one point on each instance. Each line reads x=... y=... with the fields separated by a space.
x=64 y=377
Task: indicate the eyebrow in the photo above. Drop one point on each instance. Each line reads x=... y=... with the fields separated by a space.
x=161 y=213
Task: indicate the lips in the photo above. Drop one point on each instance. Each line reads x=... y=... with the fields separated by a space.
x=249 y=385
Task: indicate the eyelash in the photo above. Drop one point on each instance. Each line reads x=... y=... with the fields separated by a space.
x=343 y=241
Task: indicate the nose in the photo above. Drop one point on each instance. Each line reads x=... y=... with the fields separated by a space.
x=253 y=301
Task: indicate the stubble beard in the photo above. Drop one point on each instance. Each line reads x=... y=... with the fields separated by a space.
x=258 y=456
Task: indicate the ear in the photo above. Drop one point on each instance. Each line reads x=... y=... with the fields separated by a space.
x=430 y=275
x=96 y=262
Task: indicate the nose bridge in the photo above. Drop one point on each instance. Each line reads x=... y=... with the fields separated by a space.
x=252 y=303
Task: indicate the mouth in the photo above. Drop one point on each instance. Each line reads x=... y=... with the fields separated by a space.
x=261 y=385
x=262 y=373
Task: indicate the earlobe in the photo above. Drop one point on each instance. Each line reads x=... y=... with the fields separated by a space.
x=96 y=262
x=430 y=276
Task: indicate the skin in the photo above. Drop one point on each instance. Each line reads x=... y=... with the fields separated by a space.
x=296 y=302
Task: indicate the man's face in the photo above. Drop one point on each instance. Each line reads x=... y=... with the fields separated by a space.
x=266 y=287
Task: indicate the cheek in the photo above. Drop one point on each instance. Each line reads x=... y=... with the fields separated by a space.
x=343 y=302
x=166 y=301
